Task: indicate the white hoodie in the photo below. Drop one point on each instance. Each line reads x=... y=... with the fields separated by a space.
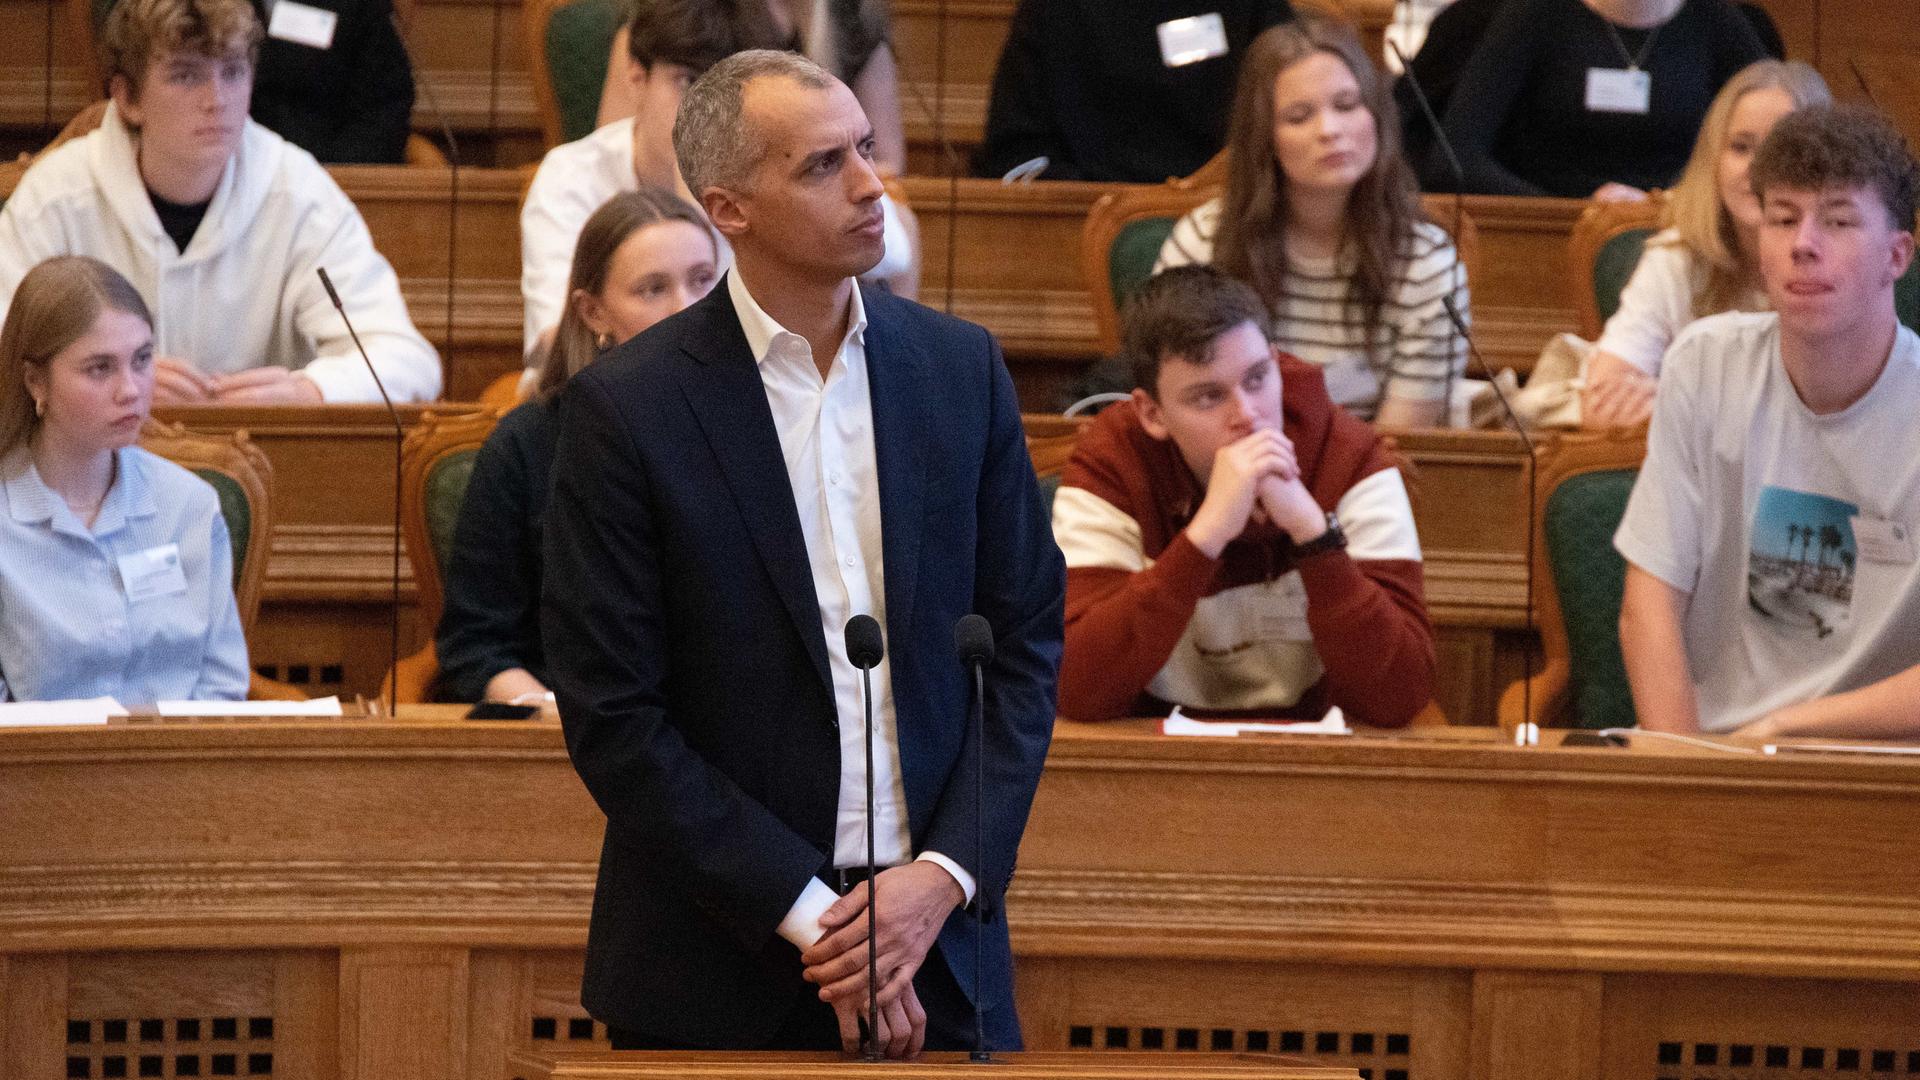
x=245 y=292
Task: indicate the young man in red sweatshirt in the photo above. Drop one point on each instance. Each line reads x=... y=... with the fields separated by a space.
x=1233 y=539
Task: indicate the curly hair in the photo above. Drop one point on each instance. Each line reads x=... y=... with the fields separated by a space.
x=1847 y=145
x=138 y=30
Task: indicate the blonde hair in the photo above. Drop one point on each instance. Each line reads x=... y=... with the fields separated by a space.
x=137 y=30
x=56 y=304
x=1694 y=208
x=620 y=217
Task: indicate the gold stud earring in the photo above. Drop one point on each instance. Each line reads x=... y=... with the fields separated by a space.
x=603 y=342
x=39 y=407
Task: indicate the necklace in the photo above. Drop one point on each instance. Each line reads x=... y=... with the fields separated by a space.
x=1634 y=62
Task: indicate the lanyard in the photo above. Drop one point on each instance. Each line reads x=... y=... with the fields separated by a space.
x=1646 y=47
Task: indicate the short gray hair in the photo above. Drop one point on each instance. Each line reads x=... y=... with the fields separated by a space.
x=711 y=139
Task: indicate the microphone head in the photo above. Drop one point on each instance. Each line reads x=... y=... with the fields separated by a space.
x=864 y=644
x=327 y=283
x=973 y=640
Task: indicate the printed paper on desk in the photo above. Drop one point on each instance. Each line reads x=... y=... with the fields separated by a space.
x=326 y=706
x=73 y=713
x=1178 y=723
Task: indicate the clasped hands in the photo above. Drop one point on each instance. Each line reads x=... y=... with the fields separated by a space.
x=913 y=902
x=1256 y=475
x=179 y=382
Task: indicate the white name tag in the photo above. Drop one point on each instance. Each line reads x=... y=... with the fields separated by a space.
x=1192 y=39
x=153 y=573
x=1883 y=541
x=302 y=24
x=1615 y=90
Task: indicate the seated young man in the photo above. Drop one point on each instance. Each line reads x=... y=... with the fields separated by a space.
x=670 y=43
x=1772 y=585
x=220 y=224
x=1233 y=539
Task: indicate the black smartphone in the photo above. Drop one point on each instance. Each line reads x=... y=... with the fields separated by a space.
x=1592 y=738
x=500 y=710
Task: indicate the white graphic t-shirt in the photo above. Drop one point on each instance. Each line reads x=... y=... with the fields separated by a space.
x=1793 y=532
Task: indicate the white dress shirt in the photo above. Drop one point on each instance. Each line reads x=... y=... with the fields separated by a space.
x=826 y=437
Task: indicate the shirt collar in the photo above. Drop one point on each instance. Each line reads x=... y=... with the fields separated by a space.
x=32 y=502
x=761 y=330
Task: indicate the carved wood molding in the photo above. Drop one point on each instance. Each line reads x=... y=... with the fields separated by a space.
x=1472 y=588
x=1229 y=917
x=352 y=563
x=292 y=905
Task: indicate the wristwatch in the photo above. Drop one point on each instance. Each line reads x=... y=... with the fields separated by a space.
x=1331 y=540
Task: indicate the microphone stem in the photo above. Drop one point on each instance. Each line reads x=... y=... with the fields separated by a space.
x=873 y=940
x=979 y=858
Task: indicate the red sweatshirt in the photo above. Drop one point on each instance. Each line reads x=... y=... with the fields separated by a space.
x=1147 y=613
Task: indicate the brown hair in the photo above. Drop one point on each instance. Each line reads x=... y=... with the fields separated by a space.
x=1694 y=208
x=620 y=217
x=1180 y=313
x=57 y=302
x=137 y=30
x=1840 y=146
x=697 y=34
x=1382 y=209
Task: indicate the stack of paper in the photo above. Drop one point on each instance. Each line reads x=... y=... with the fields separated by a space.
x=1334 y=723
x=58 y=713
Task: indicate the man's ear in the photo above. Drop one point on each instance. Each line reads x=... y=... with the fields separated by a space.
x=1152 y=419
x=1902 y=253
x=120 y=88
x=726 y=209
x=636 y=72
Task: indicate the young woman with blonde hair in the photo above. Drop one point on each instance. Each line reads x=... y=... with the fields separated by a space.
x=1321 y=217
x=116 y=572
x=1704 y=260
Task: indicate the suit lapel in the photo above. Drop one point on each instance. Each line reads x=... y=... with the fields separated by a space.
x=897 y=372
x=726 y=395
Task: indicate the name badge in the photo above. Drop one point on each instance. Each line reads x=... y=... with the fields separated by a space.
x=153 y=573
x=1883 y=541
x=1192 y=39
x=302 y=24
x=1615 y=90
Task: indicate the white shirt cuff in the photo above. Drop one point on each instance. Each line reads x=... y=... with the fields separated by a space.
x=965 y=879
x=802 y=924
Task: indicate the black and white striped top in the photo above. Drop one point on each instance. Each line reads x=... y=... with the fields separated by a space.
x=1417 y=354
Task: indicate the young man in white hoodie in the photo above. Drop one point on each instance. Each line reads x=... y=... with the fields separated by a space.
x=219 y=223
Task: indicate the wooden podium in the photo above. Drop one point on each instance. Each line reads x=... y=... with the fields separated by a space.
x=642 y=1065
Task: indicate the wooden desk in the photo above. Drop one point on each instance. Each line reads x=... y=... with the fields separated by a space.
x=396 y=900
x=602 y=1065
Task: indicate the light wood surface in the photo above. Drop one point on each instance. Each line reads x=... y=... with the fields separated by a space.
x=408 y=899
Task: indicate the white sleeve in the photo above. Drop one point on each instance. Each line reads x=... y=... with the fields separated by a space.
x=1655 y=306
x=1191 y=242
x=22 y=247
x=370 y=292
x=550 y=224
x=1661 y=530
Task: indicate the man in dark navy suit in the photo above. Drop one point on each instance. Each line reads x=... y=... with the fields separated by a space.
x=729 y=488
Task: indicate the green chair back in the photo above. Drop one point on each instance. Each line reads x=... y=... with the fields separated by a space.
x=578 y=37
x=1049 y=487
x=238 y=512
x=1588 y=578
x=1131 y=257
x=1613 y=266
x=446 y=492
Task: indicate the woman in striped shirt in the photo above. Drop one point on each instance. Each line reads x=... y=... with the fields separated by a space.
x=1321 y=216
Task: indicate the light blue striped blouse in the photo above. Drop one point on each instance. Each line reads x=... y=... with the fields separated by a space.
x=67 y=626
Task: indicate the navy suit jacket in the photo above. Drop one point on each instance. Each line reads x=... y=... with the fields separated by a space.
x=685 y=648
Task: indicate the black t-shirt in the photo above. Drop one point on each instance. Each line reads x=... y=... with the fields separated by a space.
x=348 y=103
x=1083 y=83
x=1518 y=116
x=181 y=220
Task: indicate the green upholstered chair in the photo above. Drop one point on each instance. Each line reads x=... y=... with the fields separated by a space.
x=242 y=477
x=436 y=462
x=1604 y=247
x=1581 y=493
x=570 y=42
x=1050 y=439
x=1906 y=296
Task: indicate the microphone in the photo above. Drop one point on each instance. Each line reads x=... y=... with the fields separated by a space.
x=866 y=648
x=1527 y=734
x=973 y=641
x=399 y=438
x=453 y=162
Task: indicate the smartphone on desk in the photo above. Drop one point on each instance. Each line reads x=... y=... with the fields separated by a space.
x=500 y=710
x=1593 y=738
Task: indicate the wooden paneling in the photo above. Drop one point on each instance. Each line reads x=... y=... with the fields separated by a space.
x=410 y=899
